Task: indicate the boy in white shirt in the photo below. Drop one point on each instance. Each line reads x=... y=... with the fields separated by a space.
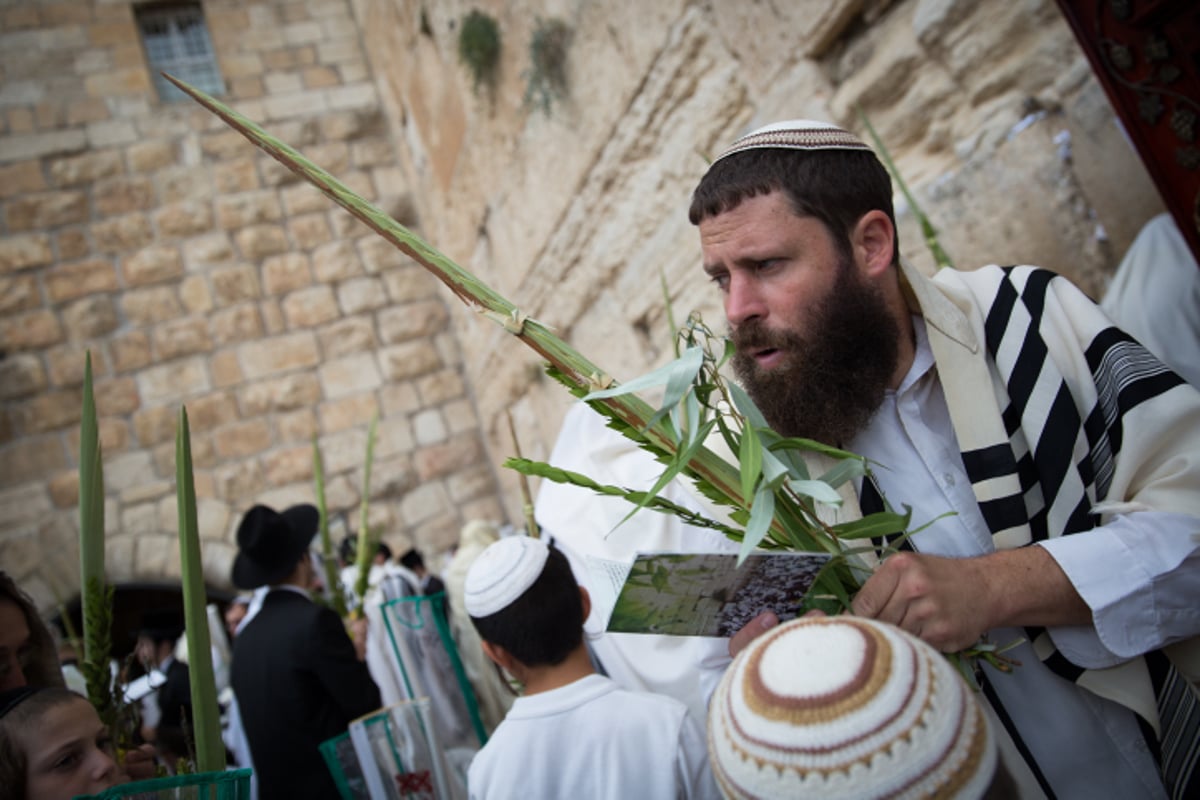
x=574 y=733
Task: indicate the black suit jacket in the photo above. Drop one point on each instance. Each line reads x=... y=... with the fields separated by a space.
x=175 y=697
x=298 y=682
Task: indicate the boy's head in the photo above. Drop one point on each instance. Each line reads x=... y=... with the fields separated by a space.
x=842 y=707
x=521 y=596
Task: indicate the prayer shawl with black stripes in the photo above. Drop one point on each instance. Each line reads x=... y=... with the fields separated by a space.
x=1080 y=415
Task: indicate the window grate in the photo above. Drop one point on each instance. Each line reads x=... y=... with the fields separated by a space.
x=176 y=41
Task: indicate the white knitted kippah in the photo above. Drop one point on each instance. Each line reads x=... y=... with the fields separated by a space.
x=502 y=573
x=845 y=707
x=797 y=134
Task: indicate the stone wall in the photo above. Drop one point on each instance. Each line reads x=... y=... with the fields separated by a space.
x=989 y=109
x=200 y=273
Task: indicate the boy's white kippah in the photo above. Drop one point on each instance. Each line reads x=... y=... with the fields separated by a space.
x=502 y=573
x=797 y=134
x=845 y=707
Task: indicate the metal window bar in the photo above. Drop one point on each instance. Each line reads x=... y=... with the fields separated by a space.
x=176 y=41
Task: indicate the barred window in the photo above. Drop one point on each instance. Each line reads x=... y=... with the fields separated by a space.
x=176 y=41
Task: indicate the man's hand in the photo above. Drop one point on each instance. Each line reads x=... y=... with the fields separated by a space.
x=358 y=634
x=140 y=763
x=950 y=602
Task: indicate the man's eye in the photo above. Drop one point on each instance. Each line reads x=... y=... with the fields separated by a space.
x=720 y=281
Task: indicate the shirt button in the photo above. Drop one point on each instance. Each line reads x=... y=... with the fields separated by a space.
x=948 y=479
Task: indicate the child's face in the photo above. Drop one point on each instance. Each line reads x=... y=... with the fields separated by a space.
x=69 y=753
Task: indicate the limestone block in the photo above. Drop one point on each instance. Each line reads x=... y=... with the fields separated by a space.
x=350 y=375
x=399 y=398
x=240 y=481
x=64 y=489
x=424 y=503
x=73 y=280
x=290 y=465
x=151 y=155
x=408 y=360
x=408 y=283
x=361 y=294
x=153 y=264
x=155 y=425
x=65 y=364
x=429 y=427
x=218 y=560
x=347 y=412
x=90 y=317
x=380 y=256
x=179 y=183
x=189 y=218
x=181 y=337
x=24 y=251
x=116 y=396
x=440 y=460
x=236 y=324
x=347 y=335
x=150 y=305
x=295 y=104
x=242 y=439
x=111 y=133
x=285 y=273
x=154 y=491
x=21 y=374
x=121 y=195
x=391 y=477
x=235 y=284
x=19 y=293
x=275 y=174
x=303 y=198
x=29 y=456
x=333 y=157
x=173 y=383
x=48 y=411
x=30 y=331
x=153 y=551
x=296 y=426
x=130 y=351
x=224 y=143
x=237 y=175
x=247 y=208
x=277 y=354
x=421 y=319
x=226 y=371
x=122 y=234
x=21 y=178
x=460 y=416
x=43 y=144
x=20 y=551
x=43 y=210
x=272 y=317
x=320 y=77
x=259 y=241
x=203 y=251
x=308 y=308
x=282 y=82
x=343 y=451
x=72 y=243
x=128 y=471
x=310 y=230
x=195 y=295
x=118 y=556
x=440 y=387
x=471 y=482
x=336 y=261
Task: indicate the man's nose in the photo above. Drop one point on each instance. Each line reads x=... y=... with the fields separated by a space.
x=744 y=300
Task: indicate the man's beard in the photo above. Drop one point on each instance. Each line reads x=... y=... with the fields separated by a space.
x=833 y=378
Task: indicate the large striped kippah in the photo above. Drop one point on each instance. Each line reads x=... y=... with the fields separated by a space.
x=797 y=134
x=845 y=707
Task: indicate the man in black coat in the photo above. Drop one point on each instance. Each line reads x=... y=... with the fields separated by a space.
x=298 y=677
x=157 y=636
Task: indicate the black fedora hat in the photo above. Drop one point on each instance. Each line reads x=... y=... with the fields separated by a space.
x=270 y=543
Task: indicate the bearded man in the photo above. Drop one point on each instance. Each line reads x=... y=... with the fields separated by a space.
x=1069 y=455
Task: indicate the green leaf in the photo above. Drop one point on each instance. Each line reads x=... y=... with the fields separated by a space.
x=818 y=490
x=761 y=514
x=750 y=457
x=746 y=407
x=882 y=523
x=677 y=375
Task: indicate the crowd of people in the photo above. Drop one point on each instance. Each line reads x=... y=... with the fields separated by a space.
x=1068 y=453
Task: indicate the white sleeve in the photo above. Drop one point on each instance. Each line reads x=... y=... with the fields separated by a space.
x=1140 y=576
x=692 y=773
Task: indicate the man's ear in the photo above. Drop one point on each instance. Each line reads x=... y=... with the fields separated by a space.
x=874 y=242
x=587 y=602
x=499 y=655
